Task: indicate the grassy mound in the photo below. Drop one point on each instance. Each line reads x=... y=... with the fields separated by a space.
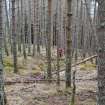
x=87 y=66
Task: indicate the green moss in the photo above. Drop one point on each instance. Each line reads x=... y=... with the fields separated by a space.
x=68 y=91
x=82 y=67
x=21 y=67
x=87 y=66
x=91 y=65
x=8 y=69
x=8 y=62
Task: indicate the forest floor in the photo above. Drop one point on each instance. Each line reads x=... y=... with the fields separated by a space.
x=20 y=91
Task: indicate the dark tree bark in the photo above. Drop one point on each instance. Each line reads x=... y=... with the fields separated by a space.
x=57 y=32
x=29 y=28
x=2 y=93
x=23 y=28
x=49 y=74
x=101 y=52
x=68 y=42
x=34 y=28
x=19 y=26
x=14 y=37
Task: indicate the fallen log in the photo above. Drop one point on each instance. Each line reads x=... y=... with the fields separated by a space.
x=85 y=60
x=78 y=63
x=30 y=81
x=43 y=81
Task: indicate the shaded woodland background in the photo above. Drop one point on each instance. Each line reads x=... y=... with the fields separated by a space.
x=52 y=52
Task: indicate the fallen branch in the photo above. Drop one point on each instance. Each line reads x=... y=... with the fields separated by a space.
x=85 y=60
x=30 y=81
x=78 y=63
x=41 y=81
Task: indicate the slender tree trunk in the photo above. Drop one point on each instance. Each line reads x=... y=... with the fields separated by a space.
x=34 y=27
x=5 y=41
x=14 y=37
x=10 y=35
x=58 y=61
x=23 y=29
x=74 y=90
x=7 y=18
x=38 y=27
x=57 y=34
x=8 y=30
x=49 y=74
x=68 y=42
x=19 y=26
x=29 y=28
x=44 y=22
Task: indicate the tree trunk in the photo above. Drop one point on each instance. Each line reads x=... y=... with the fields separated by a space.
x=29 y=28
x=23 y=28
x=34 y=26
x=101 y=53
x=19 y=26
x=14 y=37
x=68 y=42
x=8 y=31
x=38 y=27
x=57 y=34
x=2 y=94
x=49 y=74
x=5 y=41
